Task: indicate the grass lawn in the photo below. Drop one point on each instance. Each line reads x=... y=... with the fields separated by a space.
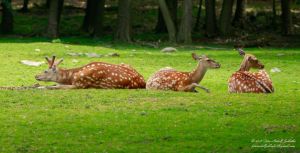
x=93 y=120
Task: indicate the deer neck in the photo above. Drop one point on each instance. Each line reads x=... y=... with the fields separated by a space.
x=245 y=66
x=65 y=76
x=198 y=74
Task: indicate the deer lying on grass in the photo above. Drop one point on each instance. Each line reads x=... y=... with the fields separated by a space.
x=244 y=81
x=93 y=75
x=171 y=79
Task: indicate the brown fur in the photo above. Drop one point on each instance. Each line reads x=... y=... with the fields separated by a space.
x=171 y=79
x=95 y=75
x=244 y=81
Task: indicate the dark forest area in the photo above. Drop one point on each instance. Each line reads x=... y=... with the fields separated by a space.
x=250 y=23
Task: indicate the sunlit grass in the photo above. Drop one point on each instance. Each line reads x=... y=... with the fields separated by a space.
x=139 y=120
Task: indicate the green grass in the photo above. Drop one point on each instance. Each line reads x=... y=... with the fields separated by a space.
x=93 y=120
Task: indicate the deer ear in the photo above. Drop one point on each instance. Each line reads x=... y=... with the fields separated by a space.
x=195 y=56
x=250 y=58
x=204 y=57
x=241 y=51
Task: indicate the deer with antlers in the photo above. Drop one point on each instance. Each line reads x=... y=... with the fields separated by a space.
x=244 y=81
x=92 y=75
x=171 y=79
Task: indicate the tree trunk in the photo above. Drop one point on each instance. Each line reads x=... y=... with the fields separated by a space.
x=48 y=3
x=60 y=8
x=123 y=25
x=88 y=18
x=196 y=28
x=168 y=20
x=7 y=17
x=210 y=18
x=274 y=13
x=172 y=7
x=99 y=14
x=54 y=18
x=185 y=30
x=24 y=9
x=225 y=17
x=239 y=12
x=286 y=17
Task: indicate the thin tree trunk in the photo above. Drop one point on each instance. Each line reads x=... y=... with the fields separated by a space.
x=54 y=18
x=185 y=30
x=210 y=18
x=172 y=7
x=7 y=17
x=225 y=17
x=168 y=20
x=160 y=25
x=99 y=14
x=286 y=17
x=196 y=28
x=48 y=3
x=239 y=12
x=123 y=25
x=87 y=24
x=24 y=9
x=274 y=13
x=60 y=9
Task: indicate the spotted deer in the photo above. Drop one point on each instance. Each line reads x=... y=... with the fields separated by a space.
x=171 y=79
x=244 y=81
x=93 y=75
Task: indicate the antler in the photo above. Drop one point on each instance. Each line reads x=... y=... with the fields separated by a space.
x=50 y=62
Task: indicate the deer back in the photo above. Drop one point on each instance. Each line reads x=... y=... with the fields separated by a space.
x=168 y=79
x=244 y=81
x=105 y=75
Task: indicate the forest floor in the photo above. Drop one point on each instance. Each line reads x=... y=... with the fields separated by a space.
x=95 y=120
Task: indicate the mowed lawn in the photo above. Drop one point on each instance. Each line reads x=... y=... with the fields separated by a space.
x=95 y=120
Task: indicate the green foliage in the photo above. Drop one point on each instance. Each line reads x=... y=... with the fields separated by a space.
x=139 y=120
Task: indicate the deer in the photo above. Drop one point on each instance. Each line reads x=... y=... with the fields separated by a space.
x=93 y=75
x=171 y=79
x=244 y=81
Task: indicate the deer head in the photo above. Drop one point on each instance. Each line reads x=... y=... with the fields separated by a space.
x=205 y=61
x=51 y=74
x=249 y=61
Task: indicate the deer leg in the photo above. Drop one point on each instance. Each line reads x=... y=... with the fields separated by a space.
x=186 y=88
x=62 y=87
x=197 y=85
x=189 y=88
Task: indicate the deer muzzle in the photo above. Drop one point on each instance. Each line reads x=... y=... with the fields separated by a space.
x=217 y=65
x=37 y=77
